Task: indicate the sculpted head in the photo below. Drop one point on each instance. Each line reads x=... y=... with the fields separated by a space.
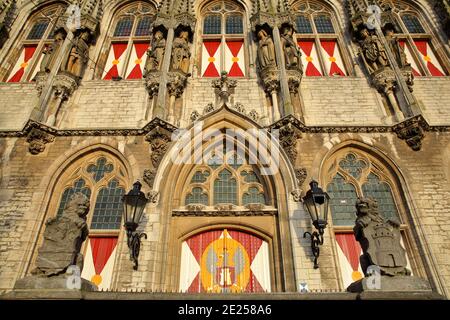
x=78 y=205
x=262 y=34
x=365 y=206
x=158 y=35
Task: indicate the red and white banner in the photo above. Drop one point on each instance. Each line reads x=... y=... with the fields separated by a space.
x=99 y=261
x=234 y=58
x=310 y=59
x=137 y=60
x=333 y=60
x=22 y=64
x=429 y=59
x=114 y=64
x=225 y=261
x=410 y=59
x=211 y=59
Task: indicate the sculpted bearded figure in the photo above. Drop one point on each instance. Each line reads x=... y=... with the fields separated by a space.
x=78 y=55
x=156 y=52
x=373 y=51
x=181 y=53
x=63 y=238
x=290 y=49
x=266 y=50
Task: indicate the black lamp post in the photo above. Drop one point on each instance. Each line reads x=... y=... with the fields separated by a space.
x=316 y=202
x=133 y=207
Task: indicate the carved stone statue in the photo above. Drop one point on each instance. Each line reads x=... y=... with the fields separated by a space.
x=181 y=52
x=290 y=49
x=379 y=239
x=266 y=50
x=78 y=55
x=51 y=51
x=63 y=238
x=156 y=52
x=397 y=50
x=373 y=51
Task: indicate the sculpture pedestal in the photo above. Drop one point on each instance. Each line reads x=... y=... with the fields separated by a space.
x=42 y=287
x=391 y=284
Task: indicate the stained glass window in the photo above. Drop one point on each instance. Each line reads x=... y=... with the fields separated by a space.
x=225 y=188
x=38 y=30
x=234 y=161
x=253 y=196
x=412 y=23
x=197 y=196
x=100 y=168
x=124 y=26
x=303 y=25
x=249 y=176
x=342 y=201
x=78 y=186
x=234 y=24
x=108 y=207
x=144 y=26
x=212 y=24
x=353 y=165
x=323 y=24
x=381 y=192
x=200 y=177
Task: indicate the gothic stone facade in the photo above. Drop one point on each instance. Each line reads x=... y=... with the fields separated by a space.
x=93 y=110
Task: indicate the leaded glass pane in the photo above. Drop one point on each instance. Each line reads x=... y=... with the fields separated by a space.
x=108 y=207
x=200 y=177
x=253 y=196
x=303 y=25
x=215 y=161
x=412 y=23
x=197 y=196
x=212 y=24
x=323 y=24
x=381 y=192
x=38 y=30
x=250 y=176
x=235 y=161
x=124 y=26
x=78 y=186
x=225 y=188
x=234 y=24
x=100 y=168
x=353 y=165
x=342 y=201
x=143 y=27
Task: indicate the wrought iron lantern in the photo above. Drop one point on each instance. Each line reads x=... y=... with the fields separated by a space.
x=316 y=202
x=134 y=203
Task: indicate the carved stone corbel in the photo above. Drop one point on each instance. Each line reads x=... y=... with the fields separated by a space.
x=38 y=139
x=65 y=84
x=152 y=80
x=159 y=139
x=294 y=80
x=176 y=83
x=412 y=130
x=270 y=79
x=289 y=135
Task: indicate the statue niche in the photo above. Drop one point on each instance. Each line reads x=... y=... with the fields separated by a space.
x=78 y=57
x=266 y=50
x=379 y=239
x=291 y=52
x=397 y=50
x=181 y=52
x=373 y=51
x=156 y=52
x=63 y=237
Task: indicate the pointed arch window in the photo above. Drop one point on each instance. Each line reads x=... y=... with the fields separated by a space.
x=100 y=177
x=36 y=35
x=226 y=180
x=130 y=38
x=223 y=41
x=354 y=174
x=319 y=40
x=416 y=37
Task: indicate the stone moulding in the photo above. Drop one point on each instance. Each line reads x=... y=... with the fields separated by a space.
x=237 y=213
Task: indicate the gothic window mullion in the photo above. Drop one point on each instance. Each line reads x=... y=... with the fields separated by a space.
x=129 y=48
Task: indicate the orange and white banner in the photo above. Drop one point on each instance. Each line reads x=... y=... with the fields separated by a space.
x=22 y=64
x=410 y=59
x=310 y=59
x=333 y=60
x=114 y=64
x=99 y=261
x=234 y=58
x=137 y=61
x=211 y=59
